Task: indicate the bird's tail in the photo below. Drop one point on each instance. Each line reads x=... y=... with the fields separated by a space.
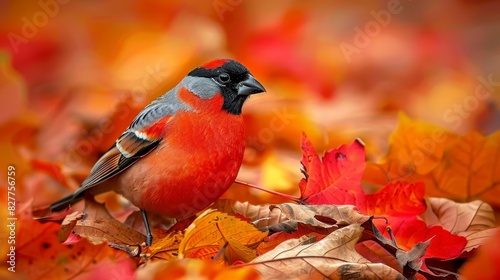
x=65 y=202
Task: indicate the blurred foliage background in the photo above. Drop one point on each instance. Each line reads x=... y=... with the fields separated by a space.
x=75 y=73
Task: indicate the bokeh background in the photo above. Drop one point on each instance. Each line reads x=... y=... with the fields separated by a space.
x=75 y=73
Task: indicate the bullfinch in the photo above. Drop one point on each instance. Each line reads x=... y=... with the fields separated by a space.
x=182 y=151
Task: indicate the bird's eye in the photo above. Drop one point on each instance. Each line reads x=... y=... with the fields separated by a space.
x=224 y=78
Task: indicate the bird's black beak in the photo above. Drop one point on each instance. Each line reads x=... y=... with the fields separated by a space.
x=250 y=86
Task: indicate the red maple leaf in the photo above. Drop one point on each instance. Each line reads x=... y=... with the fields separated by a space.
x=409 y=231
x=396 y=199
x=336 y=177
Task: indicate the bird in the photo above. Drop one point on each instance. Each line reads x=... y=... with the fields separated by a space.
x=182 y=151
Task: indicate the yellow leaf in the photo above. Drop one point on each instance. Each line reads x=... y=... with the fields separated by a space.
x=166 y=248
x=210 y=232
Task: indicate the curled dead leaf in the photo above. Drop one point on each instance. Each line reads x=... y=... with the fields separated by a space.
x=260 y=213
x=98 y=226
x=334 y=257
x=411 y=261
x=319 y=216
x=98 y=231
x=376 y=253
x=474 y=220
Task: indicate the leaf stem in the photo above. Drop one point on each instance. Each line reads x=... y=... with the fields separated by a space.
x=221 y=251
x=293 y=198
x=443 y=270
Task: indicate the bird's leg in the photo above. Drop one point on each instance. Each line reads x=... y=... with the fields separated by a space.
x=149 y=236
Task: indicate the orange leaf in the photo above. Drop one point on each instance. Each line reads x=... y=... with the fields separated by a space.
x=470 y=170
x=417 y=145
x=415 y=149
x=13 y=90
x=56 y=170
x=462 y=168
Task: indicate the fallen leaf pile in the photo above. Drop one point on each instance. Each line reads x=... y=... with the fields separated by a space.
x=336 y=229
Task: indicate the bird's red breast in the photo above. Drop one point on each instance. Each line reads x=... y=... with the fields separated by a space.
x=196 y=162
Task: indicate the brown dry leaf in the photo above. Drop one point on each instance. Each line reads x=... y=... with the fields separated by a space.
x=211 y=230
x=68 y=224
x=279 y=237
x=324 y=216
x=111 y=231
x=260 y=213
x=406 y=262
x=166 y=248
x=413 y=258
x=334 y=257
x=375 y=253
x=192 y=269
x=473 y=220
x=39 y=255
x=98 y=226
